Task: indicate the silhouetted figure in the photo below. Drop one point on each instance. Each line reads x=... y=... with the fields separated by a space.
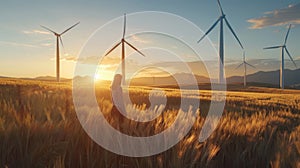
x=117 y=99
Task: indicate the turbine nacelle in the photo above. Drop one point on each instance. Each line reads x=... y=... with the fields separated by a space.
x=123 y=42
x=59 y=39
x=283 y=51
x=245 y=68
x=222 y=18
x=244 y=62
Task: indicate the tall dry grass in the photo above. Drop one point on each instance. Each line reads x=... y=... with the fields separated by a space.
x=39 y=128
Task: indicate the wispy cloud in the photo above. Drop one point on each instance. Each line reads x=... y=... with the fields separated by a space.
x=35 y=32
x=85 y=60
x=91 y=59
x=46 y=44
x=278 y=17
x=106 y=64
x=9 y=43
x=151 y=71
x=65 y=57
x=68 y=57
x=139 y=39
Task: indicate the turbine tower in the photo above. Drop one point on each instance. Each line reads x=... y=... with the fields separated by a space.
x=123 y=42
x=59 y=39
x=283 y=50
x=245 y=68
x=221 y=20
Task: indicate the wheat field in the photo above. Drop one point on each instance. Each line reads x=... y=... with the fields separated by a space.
x=260 y=127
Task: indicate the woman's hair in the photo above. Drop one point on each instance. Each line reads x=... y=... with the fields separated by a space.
x=117 y=81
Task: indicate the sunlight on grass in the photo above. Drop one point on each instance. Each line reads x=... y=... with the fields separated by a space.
x=39 y=127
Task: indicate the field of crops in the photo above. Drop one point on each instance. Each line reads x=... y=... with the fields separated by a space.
x=260 y=127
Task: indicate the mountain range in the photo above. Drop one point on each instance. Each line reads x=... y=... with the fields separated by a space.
x=262 y=78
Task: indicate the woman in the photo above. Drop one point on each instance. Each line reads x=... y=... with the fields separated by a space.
x=117 y=99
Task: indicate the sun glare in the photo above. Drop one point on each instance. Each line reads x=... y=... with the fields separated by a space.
x=97 y=77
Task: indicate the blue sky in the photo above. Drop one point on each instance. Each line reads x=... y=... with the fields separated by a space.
x=26 y=50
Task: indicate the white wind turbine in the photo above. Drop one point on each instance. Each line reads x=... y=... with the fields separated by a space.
x=245 y=68
x=58 y=38
x=221 y=20
x=283 y=50
x=123 y=41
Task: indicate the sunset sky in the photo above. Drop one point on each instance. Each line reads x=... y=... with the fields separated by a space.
x=27 y=50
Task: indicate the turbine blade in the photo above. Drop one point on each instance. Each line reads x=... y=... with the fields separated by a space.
x=209 y=30
x=287 y=34
x=232 y=31
x=220 y=7
x=239 y=66
x=48 y=29
x=112 y=49
x=272 y=47
x=61 y=42
x=290 y=56
x=134 y=48
x=250 y=65
x=69 y=28
x=124 y=28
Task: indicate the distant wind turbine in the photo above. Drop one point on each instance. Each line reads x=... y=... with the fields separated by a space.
x=283 y=50
x=58 y=38
x=123 y=41
x=221 y=20
x=245 y=68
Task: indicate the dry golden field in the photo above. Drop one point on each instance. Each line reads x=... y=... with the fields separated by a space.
x=260 y=127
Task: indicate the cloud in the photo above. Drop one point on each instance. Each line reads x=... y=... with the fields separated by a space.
x=65 y=57
x=46 y=44
x=17 y=44
x=91 y=59
x=279 y=17
x=151 y=71
x=139 y=39
x=68 y=57
x=95 y=60
x=36 y=32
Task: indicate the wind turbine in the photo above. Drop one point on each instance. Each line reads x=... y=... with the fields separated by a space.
x=221 y=20
x=58 y=39
x=245 y=68
x=283 y=50
x=122 y=42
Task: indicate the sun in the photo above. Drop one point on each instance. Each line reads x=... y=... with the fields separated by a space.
x=97 y=77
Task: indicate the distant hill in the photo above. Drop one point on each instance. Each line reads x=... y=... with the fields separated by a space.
x=266 y=79
x=292 y=78
x=261 y=78
x=49 y=78
x=3 y=77
x=183 y=78
x=41 y=78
